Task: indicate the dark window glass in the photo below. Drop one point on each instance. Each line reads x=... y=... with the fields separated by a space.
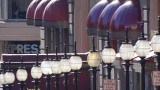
x=17 y=8
x=57 y=37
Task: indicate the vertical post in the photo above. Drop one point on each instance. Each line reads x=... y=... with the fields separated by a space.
x=5 y=9
x=56 y=75
x=1 y=9
x=109 y=68
x=127 y=65
x=48 y=82
x=158 y=25
x=75 y=80
x=21 y=85
x=36 y=84
x=158 y=66
x=158 y=61
x=94 y=71
x=57 y=81
x=143 y=73
x=9 y=69
x=93 y=47
x=71 y=22
x=66 y=81
x=9 y=86
x=4 y=70
x=4 y=87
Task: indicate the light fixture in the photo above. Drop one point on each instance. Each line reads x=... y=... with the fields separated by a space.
x=126 y=52
x=36 y=73
x=155 y=41
x=108 y=56
x=142 y=46
x=65 y=67
x=155 y=44
x=94 y=60
x=46 y=69
x=9 y=76
x=21 y=74
x=56 y=70
x=142 y=49
x=2 y=76
x=93 y=57
x=75 y=64
x=46 y=64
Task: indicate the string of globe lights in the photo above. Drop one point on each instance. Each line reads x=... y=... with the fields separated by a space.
x=47 y=68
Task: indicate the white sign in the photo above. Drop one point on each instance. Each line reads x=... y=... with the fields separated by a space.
x=109 y=84
x=156 y=78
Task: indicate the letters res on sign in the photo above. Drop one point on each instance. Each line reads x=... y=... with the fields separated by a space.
x=109 y=84
x=156 y=78
x=21 y=47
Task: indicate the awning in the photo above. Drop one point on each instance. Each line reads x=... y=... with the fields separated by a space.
x=39 y=12
x=128 y=14
x=92 y=19
x=106 y=15
x=30 y=12
x=56 y=14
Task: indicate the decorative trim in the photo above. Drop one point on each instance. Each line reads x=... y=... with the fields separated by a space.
x=37 y=22
x=120 y=35
x=29 y=21
x=102 y=32
x=55 y=24
x=92 y=31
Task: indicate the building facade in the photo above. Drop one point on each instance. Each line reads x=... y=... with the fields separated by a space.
x=16 y=36
x=14 y=33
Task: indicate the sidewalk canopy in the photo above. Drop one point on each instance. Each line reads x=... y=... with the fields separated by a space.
x=39 y=12
x=30 y=12
x=92 y=19
x=56 y=14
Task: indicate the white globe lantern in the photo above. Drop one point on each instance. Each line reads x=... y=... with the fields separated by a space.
x=21 y=74
x=155 y=43
x=142 y=48
x=126 y=51
x=93 y=59
x=56 y=67
x=64 y=65
x=108 y=55
x=9 y=77
x=75 y=62
x=2 y=79
x=46 y=67
x=36 y=72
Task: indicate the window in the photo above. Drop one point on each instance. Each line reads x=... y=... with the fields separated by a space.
x=17 y=8
x=55 y=36
x=0 y=9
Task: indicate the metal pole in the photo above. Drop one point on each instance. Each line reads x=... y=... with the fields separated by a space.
x=36 y=84
x=75 y=80
x=158 y=66
x=21 y=85
x=94 y=71
x=127 y=65
x=9 y=86
x=57 y=81
x=143 y=61
x=109 y=68
x=4 y=87
x=48 y=82
x=66 y=81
